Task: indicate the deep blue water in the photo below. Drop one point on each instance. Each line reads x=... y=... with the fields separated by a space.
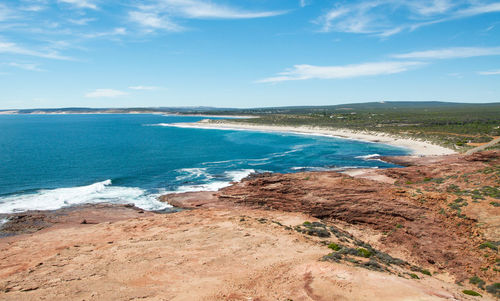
x=50 y=161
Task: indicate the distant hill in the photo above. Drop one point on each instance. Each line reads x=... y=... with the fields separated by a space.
x=362 y=107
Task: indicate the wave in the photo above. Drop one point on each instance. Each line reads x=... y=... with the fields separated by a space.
x=192 y=173
x=232 y=176
x=319 y=168
x=100 y=192
x=369 y=157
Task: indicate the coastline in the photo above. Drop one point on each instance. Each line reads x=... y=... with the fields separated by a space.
x=166 y=114
x=416 y=147
x=309 y=233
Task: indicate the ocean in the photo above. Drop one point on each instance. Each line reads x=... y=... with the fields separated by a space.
x=53 y=161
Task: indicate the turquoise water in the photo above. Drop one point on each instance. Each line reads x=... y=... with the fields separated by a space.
x=52 y=161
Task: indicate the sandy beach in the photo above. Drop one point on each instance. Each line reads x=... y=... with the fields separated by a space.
x=417 y=147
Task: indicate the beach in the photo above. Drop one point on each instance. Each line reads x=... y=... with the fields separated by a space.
x=416 y=147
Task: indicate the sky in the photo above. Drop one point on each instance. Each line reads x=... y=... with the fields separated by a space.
x=246 y=53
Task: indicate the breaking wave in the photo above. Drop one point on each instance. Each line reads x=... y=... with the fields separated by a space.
x=100 y=192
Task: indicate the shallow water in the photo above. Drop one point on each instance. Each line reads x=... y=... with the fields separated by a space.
x=52 y=161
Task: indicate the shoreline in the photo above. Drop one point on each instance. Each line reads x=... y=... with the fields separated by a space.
x=310 y=234
x=416 y=147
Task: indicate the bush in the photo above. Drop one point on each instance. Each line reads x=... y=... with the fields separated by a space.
x=426 y=272
x=414 y=276
x=488 y=244
x=364 y=253
x=477 y=281
x=494 y=289
x=471 y=293
x=334 y=246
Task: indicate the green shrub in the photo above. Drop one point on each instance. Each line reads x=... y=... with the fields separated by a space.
x=426 y=272
x=334 y=246
x=494 y=289
x=471 y=293
x=307 y=224
x=477 y=281
x=364 y=253
x=414 y=276
x=488 y=244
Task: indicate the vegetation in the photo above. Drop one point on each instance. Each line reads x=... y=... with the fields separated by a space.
x=334 y=246
x=494 y=289
x=477 y=281
x=426 y=272
x=364 y=253
x=471 y=293
x=448 y=124
x=490 y=245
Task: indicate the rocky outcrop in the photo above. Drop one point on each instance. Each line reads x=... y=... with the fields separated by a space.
x=416 y=215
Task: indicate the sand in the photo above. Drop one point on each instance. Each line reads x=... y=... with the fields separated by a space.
x=416 y=147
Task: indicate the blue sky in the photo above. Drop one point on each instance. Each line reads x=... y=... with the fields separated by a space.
x=246 y=53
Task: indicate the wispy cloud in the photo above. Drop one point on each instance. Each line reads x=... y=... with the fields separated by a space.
x=105 y=93
x=159 y=14
x=82 y=21
x=25 y=66
x=388 y=17
x=450 y=53
x=80 y=3
x=154 y=21
x=33 y=8
x=492 y=72
x=147 y=88
x=13 y=48
x=119 y=31
x=303 y=72
x=5 y=12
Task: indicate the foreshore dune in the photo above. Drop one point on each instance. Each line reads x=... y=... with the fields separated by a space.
x=417 y=147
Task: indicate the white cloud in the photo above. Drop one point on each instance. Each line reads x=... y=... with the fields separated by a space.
x=33 y=8
x=30 y=67
x=5 y=12
x=377 y=17
x=153 y=20
x=493 y=72
x=82 y=21
x=120 y=31
x=12 y=48
x=303 y=72
x=450 y=53
x=480 y=9
x=160 y=13
x=197 y=9
x=148 y=88
x=80 y=3
x=108 y=93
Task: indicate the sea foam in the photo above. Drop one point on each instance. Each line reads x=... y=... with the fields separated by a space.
x=100 y=192
x=231 y=176
x=368 y=157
